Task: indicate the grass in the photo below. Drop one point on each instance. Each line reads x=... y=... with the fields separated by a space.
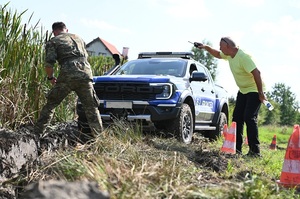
x=282 y=135
x=131 y=164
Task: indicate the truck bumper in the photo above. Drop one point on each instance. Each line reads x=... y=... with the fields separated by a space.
x=138 y=111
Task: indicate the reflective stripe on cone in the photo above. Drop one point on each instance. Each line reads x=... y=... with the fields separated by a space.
x=229 y=145
x=290 y=175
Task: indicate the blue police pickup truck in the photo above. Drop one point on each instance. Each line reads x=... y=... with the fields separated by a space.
x=167 y=90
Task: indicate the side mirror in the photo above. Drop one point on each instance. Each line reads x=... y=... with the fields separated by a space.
x=112 y=70
x=116 y=58
x=198 y=76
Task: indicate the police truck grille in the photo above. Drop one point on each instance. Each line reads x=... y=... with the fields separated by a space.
x=125 y=91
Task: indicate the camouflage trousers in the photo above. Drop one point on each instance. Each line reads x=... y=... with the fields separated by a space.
x=87 y=95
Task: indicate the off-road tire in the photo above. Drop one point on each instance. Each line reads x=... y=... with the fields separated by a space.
x=183 y=126
x=214 y=135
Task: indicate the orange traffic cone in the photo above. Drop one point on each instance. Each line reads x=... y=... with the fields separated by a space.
x=229 y=145
x=225 y=129
x=290 y=175
x=273 y=144
x=246 y=140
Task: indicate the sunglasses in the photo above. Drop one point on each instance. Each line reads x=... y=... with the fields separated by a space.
x=224 y=41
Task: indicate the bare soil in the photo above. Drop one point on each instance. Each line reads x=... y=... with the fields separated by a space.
x=20 y=155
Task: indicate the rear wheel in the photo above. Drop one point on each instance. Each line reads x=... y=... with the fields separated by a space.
x=213 y=135
x=183 y=126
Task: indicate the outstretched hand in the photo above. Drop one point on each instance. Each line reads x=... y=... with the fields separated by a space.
x=198 y=44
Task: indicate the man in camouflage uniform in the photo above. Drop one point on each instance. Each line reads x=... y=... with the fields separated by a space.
x=75 y=75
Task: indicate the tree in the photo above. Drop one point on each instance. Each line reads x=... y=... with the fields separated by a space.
x=288 y=105
x=267 y=117
x=206 y=59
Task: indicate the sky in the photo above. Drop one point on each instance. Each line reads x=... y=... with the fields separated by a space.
x=269 y=30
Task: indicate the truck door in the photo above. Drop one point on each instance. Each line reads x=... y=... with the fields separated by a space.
x=204 y=93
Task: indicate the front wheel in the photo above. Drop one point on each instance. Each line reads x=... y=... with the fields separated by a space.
x=183 y=126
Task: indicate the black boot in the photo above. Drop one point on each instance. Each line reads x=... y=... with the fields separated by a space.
x=254 y=151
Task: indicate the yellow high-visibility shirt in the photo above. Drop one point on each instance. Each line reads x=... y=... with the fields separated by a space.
x=241 y=67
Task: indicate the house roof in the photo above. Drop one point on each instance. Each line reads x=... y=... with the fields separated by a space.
x=111 y=48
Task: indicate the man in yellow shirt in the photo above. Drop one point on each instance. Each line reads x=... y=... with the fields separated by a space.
x=250 y=94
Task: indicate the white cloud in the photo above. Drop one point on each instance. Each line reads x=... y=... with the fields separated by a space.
x=187 y=8
x=251 y=3
x=280 y=41
x=294 y=3
x=285 y=25
x=181 y=9
x=102 y=25
x=283 y=34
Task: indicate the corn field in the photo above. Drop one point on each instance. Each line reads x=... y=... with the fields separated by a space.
x=23 y=82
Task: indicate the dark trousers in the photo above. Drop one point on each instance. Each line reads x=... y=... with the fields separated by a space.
x=246 y=111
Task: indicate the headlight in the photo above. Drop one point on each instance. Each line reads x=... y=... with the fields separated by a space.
x=165 y=89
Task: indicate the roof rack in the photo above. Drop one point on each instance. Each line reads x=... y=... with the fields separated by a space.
x=184 y=55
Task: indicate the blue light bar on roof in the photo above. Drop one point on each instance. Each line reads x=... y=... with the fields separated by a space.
x=165 y=54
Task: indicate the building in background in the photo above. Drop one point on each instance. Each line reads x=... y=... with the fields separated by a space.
x=99 y=47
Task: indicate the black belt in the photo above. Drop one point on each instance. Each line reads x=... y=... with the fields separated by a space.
x=64 y=61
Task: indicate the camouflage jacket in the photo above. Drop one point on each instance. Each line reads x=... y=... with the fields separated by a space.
x=69 y=50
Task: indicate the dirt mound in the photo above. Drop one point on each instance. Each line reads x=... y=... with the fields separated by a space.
x=20 y=150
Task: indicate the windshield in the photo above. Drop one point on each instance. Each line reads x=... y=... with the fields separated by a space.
x=172 y=67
